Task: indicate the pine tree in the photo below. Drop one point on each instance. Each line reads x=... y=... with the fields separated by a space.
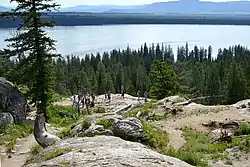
x=163 y=80
x=236 y=84
x=35 y=46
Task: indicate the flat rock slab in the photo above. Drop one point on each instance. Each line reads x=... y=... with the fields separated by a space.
x=107 y=151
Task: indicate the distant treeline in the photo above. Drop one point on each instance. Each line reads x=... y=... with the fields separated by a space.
x=196 y=72
x=77 y=19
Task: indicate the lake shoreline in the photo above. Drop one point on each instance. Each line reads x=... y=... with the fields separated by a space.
x=98 y=19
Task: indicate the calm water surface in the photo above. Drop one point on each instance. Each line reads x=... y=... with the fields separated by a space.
x=80 y=40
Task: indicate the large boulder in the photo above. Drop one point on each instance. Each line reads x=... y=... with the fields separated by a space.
x=12 y=101
x=128 y=129
x=105 y=151
x=6 y=118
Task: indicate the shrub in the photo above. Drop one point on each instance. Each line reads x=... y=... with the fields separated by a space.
x=188 y=156
x=107 y=123
x=35 y=149
x=86 y=123
x=155 y=137
x=45 y=156
x=243 y=130
x=61 y=116
x=99 y=110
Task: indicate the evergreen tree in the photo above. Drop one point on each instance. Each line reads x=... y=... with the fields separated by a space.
x=236 y=84
x=35 y=46
x=163 y=80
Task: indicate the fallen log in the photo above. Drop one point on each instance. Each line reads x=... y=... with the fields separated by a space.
x=125 y=108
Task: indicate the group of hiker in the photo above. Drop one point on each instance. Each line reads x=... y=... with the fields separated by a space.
x=84 y=97
x=145 y=96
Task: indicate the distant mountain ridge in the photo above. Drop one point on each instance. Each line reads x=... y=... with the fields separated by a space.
x=181 y=7
x=4 y=9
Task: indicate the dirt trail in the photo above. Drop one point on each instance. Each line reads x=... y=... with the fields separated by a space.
x=21 y=154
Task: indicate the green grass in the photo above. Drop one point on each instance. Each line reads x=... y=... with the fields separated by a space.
x=98 y=110
x=105 y=122
x=85 y=122
x=11 y=132
x=155 y=137
x=62 y=116
x=45 y=156
x=199 y=147
x=191 y=158
x=243 y=130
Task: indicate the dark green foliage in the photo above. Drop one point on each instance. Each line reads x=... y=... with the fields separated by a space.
x=61 y=116
x=224 y=79
x=32 y=48
x=105 y=122
x=155 y=138
x=243 y=130
x=163 y=80
x=191 y=158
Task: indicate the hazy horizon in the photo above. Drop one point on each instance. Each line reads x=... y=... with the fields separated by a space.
x=67 y=3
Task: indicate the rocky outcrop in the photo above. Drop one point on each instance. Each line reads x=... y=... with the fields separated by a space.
x=41 y=135
x=106 y=151
x=12 y=102
x=242 y=104
x=128 y=129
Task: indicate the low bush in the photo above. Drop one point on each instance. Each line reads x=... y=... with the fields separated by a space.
x=243 y=130
x=105 y=122
x=45 y=156
x=190 y=157
x=62 y=116
x=155 y=137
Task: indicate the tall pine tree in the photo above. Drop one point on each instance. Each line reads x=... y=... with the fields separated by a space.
x=34 y=48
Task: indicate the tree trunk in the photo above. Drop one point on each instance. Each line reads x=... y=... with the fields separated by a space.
x=41 y=135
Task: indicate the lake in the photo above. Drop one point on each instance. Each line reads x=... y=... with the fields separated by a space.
x=80 y=40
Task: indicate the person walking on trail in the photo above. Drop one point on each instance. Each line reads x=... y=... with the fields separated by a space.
x=93 y=98
x=122 y=91
x=84 y=92
x=109 y=96
x=105 y=97
x=146 y=96
x=138 y=95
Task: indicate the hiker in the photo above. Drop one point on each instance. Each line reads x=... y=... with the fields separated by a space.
x=84 y=92
x=87 y=103
x=146 y=96
x=109 y=96
x=74 y=101
x=93 y=99
x=105 y=97
x=122 y=91
x=138 y=95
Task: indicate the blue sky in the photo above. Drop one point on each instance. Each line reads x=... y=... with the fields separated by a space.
x=66 y=3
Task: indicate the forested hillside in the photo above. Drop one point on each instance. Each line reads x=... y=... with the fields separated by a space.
x=225 y=77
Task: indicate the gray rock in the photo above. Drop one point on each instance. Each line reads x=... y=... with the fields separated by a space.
x=12 y=101
x=233 y=150
x=94 y=130
x=128 y=129
x=6 y=118
x=107 y=151
x=77 y=129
